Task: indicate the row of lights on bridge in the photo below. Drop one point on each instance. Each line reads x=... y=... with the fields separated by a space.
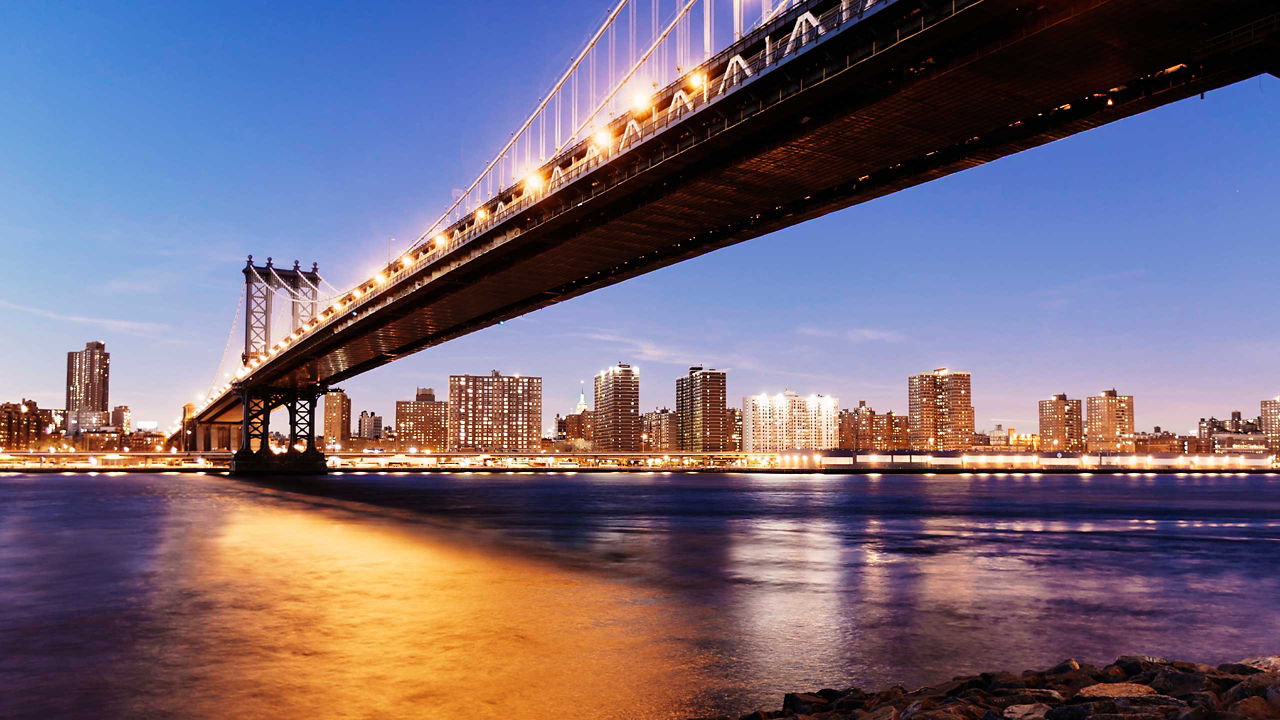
x=532 y=184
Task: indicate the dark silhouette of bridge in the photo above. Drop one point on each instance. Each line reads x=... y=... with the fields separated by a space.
x=828 y=103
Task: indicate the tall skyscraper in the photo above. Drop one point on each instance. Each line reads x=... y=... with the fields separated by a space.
x=122 y=419
x=88 y=381
x=940 y=411
x=369 y=426
x=700 y=404
x=495 y=413
x=423 y=423
x=864 y=429
x=337 y=417
x=1061 y=425
x=1271 y=424
x=617 y=414
x=1110 y=420
x=788 y=421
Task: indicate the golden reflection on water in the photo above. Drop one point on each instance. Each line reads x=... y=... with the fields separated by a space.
x=295 y=613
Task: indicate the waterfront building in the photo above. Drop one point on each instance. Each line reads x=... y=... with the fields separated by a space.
x=144 y=441
x=617 y=409
x=1110 y=422
x=1270 y=421
x=700 y=405
x=495 y=413
x=579 y=429
x=864 y=429
x=1061 y=425
x=21 y=426
x=423 y=423
x=122 y=419
x=788 y=421
x=1238 y=442
x=733 y=422
x=88 y=384
x=1160 y=441
x=337 y=418
x=940 y=411
x=1237 y=423
x=660 y=431
x=369 y=426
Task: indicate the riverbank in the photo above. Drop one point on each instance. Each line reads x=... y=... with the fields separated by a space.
x=1131 y=688
x=838 y=470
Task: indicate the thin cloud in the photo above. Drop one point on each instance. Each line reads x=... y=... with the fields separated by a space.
x=126 y=327
x=643 y=350
x=855 y=334
x=1061 y=296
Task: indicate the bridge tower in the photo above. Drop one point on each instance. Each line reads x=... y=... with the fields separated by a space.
x=301 y=289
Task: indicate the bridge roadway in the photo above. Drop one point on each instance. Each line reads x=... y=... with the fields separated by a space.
x=912 y=91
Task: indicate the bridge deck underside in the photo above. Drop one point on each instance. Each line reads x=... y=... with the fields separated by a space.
x=863 y=132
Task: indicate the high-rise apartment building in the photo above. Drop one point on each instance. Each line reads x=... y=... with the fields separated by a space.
x=700 y=404
x=88 y=381
x=788 y=421
x=1271 y=424
x=660 y=431
x=617 y=413
x=423 y=423
x=1061 y=425
x=495 y=413
x=940 y=411
x=1110 y=422
x=369 y=426
x=122 y=419
x=864 y=429
x=337 y=418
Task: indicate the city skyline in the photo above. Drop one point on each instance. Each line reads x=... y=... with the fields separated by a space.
x=1042 y=248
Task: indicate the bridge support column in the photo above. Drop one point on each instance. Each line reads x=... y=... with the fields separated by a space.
x=255 y=456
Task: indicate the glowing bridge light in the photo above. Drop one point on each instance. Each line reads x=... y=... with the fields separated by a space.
x=482 y=214
x=697 y=80
x=533 y=183
x=379 y=278
x=602 y=139
x=406 y=261
x=640 y=102
x=439 y=241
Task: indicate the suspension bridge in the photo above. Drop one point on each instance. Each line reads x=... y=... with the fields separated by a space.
x=688 y=125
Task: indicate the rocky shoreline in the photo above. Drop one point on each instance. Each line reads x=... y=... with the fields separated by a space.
x=1131 y=688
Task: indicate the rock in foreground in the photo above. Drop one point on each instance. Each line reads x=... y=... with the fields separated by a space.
x=1131 y=688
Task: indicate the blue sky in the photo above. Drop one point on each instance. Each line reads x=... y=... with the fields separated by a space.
x=145 y=149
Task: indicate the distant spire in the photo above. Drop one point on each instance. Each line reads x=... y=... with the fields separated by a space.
x=582 y=398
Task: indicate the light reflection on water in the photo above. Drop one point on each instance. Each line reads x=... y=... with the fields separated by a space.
x=648 y=595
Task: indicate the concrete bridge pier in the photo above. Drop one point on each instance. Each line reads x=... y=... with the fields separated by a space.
x=254 y=457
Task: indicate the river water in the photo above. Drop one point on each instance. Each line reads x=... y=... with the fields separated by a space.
x=604 y=595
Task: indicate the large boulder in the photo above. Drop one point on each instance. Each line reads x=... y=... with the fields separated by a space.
x=1269 y=663
x=1255 y=708
x=1114 y=690
x=1034 y=711
x=1177 y=683
x=1265 y=685
x=797 y=703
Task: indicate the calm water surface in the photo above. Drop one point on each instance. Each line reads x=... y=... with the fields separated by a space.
x=600 y=596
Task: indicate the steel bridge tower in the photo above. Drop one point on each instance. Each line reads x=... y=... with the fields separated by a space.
x=301 y=288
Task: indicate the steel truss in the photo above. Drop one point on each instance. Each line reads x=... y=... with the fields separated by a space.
x=260 y=282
